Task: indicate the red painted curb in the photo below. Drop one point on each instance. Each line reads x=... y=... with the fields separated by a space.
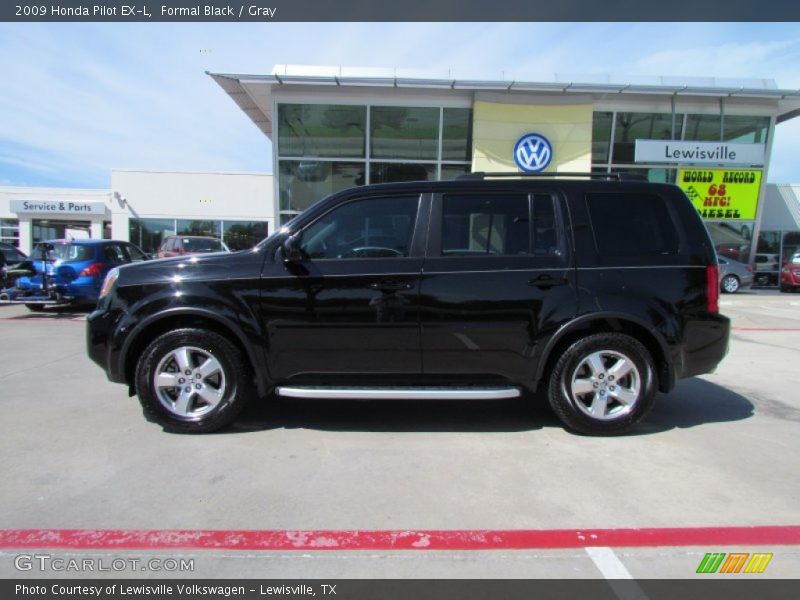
x=120 y=539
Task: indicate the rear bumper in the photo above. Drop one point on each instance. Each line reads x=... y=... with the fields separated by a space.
x=75 y=292
x=705 y=344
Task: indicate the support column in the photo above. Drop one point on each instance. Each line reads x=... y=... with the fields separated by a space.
x=96 y=229
x=25 y=234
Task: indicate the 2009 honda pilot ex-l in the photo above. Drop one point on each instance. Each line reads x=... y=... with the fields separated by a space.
x=598 y=292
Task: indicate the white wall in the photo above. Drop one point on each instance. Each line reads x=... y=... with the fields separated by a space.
x=189 y=195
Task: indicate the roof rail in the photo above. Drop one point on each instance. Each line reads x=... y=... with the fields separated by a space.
x=623 y=176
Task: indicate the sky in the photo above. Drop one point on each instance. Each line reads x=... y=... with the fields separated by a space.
x=80 y=99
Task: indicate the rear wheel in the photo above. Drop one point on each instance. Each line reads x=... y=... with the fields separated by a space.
x=730 y=284
x=192 y=381
x=603 y=384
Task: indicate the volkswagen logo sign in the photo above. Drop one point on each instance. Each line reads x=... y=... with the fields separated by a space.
x=532 y=153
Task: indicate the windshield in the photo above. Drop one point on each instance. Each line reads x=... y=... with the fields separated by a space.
x=63 y=252
x=202 y=245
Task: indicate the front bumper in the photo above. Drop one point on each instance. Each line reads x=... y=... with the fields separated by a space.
x=100 y=328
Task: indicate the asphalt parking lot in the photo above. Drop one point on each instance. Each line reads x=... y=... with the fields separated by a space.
x=720 y=451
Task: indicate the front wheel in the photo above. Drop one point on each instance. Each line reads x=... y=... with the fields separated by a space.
x=730 y=284
x=191 y=381
x=603 y=384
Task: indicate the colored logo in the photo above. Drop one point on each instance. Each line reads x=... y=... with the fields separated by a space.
x=533 y=153
x=735 y=562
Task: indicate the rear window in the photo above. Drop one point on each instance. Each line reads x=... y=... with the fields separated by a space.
x=200 y=245
x=63 y=252
x=632 y=225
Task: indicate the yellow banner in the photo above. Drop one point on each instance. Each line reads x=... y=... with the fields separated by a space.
x=730 y=194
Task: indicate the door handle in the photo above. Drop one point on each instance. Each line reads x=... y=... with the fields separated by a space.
x=390 y=286
x=547 y=281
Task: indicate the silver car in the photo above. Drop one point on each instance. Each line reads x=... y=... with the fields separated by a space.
x=734 y=275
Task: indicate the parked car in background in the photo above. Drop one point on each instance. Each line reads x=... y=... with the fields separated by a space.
x=767 y=268
x=10 y=256
x=183 y=245
x=734 y=275
x=71 y=271
x=790 y=274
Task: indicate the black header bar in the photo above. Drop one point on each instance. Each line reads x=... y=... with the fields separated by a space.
x=407 y=10
x=398 y=589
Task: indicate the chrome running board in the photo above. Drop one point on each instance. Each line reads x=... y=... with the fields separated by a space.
x=395 y=393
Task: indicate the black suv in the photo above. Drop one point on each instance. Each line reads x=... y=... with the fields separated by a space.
x=594 y=290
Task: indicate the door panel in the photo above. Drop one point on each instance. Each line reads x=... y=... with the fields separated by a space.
x=352 y=308
x=497 y=282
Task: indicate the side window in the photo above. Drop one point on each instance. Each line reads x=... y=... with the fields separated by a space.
x=630 y=225
x=134 y=254
x=485 y=225
x=368 y=228
x=546 y=241
x=114 y=254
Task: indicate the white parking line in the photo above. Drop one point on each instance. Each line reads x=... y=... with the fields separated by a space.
x=607 y=562
x=615 y=572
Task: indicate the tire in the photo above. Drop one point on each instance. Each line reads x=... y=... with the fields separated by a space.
x=730 y=284
x=35 y=307
x=785 y=289
x=590 y=362
x=209 y=398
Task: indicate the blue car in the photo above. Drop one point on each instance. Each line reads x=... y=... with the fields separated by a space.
x=71 y=271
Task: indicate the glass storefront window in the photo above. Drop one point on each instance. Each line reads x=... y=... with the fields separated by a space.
x=302 y=183
x=768 y=258
x=632 y=126
x=197 y=227
x=9 y=231
x=388 y=172
x=601 y=136
x=652 y=174
x=405 y=143
x=321 y=130
x=457 y=134
x=241 y=235
x=58 y=229
x=404 y=132
x=746 y=130
x=732 y=239
x=149 y=233
x=702 y=128
x=453 y=171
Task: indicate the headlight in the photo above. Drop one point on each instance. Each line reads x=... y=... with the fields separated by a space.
x=108 y=282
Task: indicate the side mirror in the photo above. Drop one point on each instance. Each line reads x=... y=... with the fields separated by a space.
x=292 y=252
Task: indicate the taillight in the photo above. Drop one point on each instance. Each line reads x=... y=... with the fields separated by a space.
x=93 y=270
x=712 y=288
x=749 y=268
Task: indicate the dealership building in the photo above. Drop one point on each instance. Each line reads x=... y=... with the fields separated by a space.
x=334 y=127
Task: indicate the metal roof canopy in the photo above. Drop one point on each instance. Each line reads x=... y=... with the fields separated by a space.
x=253 y=92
